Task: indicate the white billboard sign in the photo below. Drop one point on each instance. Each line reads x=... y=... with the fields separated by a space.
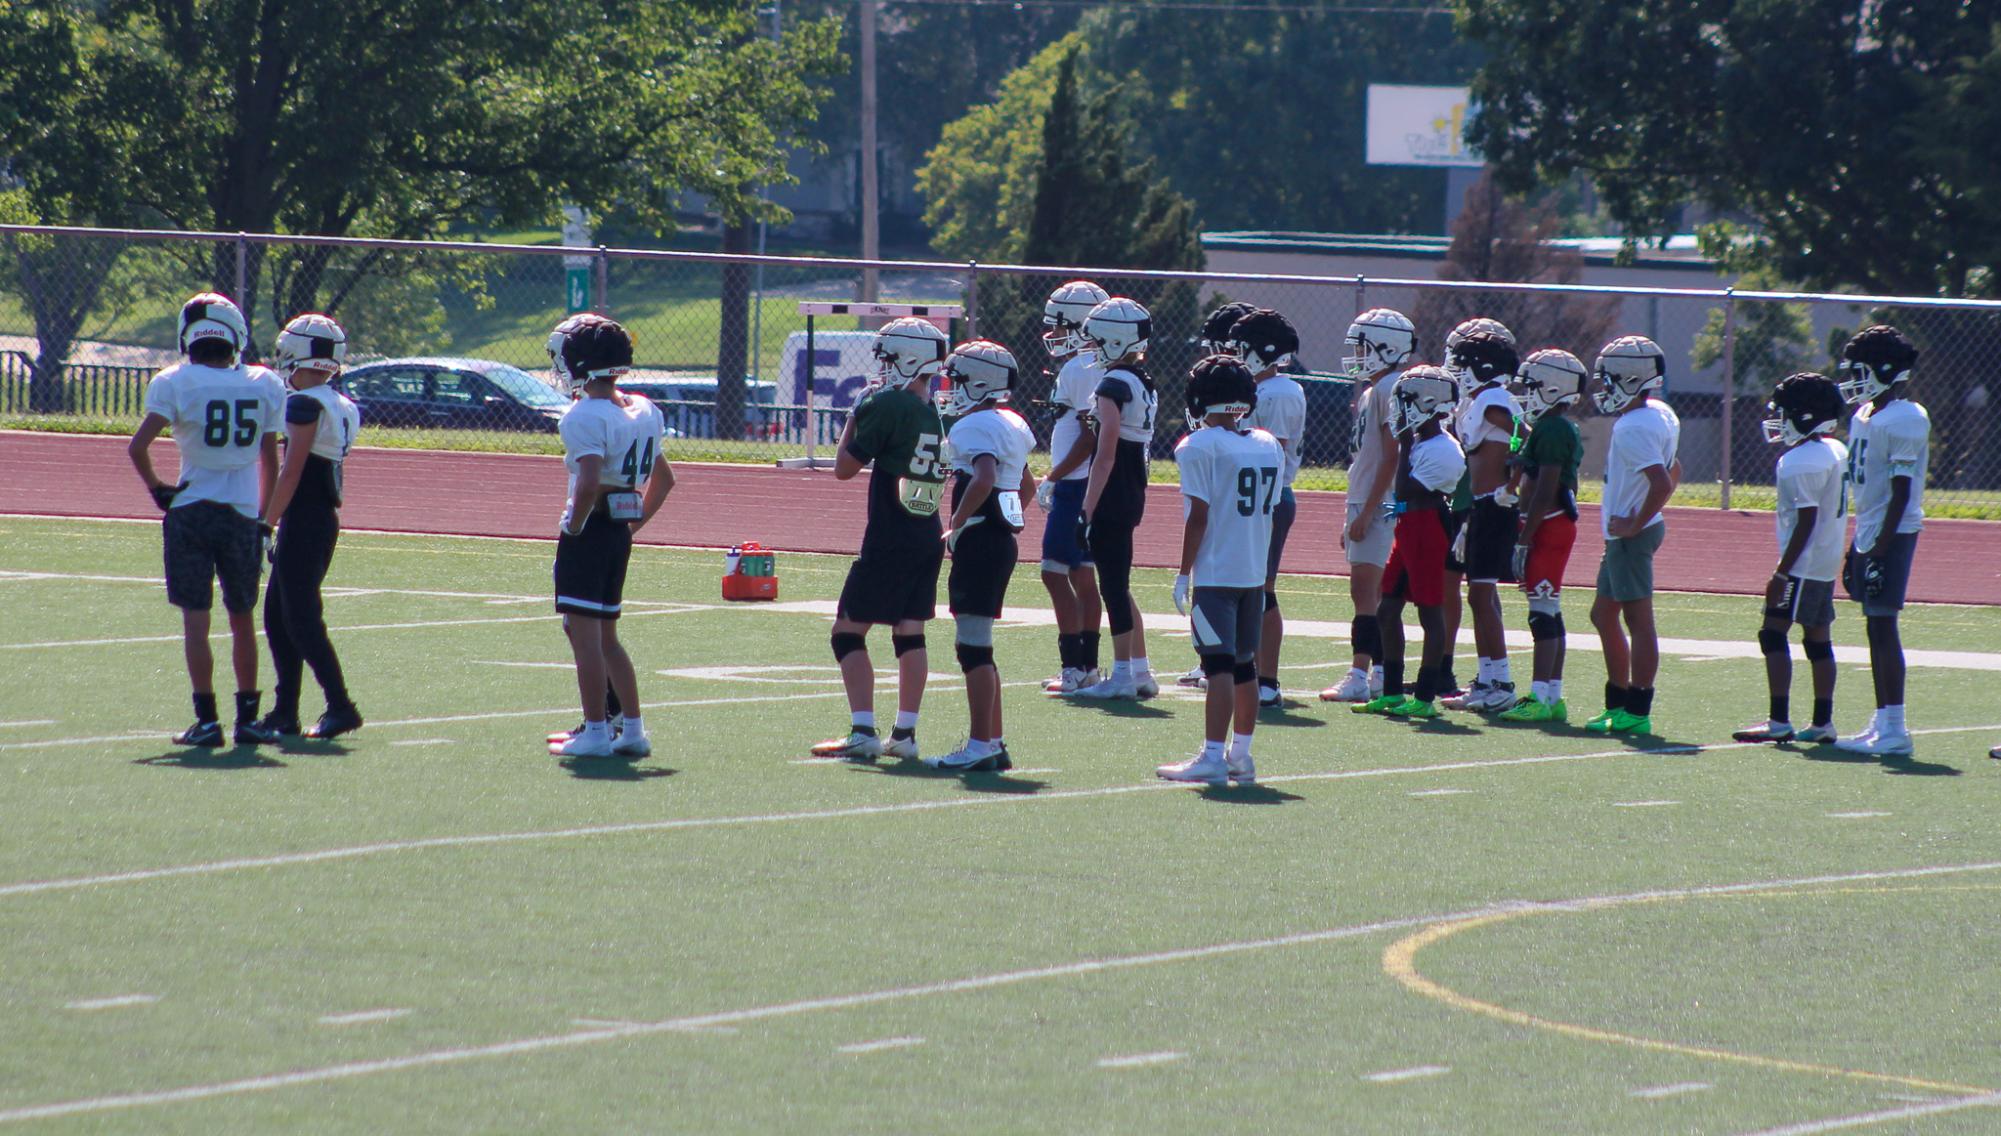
x=1418 y=126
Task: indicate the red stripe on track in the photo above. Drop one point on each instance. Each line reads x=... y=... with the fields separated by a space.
x=715 y=506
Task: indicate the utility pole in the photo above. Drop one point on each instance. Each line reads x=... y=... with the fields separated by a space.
x=871 y=235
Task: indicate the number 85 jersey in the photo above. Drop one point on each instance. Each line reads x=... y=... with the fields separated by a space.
x=1238 y=474
x=220 y=416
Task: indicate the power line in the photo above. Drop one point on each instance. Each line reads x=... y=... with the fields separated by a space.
x=1273 y=6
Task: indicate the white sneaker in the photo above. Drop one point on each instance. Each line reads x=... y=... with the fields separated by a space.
x=1144 y=687
x=1892 y=743
x=1474 y=697
x=1242 y=770
x=1200 y=769
x=1354 y=688
x=964 y=760
x=856 y=746
x=1195 y=679
x=630 y=744
x=583 y=744
x=1270 y=697
x=903 y=749
x=1068 y=680
x=1815 y=735
x=1863 y=742
x=1500 y=696
x=1109 y=688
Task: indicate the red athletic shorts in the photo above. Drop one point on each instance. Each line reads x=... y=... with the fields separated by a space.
x=1416 y=570
x=1549 y=552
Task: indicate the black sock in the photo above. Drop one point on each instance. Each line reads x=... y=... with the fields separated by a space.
x=1392 y=677
x=611 y=707
x=246 y=704
x=1428 y=684
x=1615 y=696
x=1089 y=659
x=1071 y=649
x=1781 y=706
x=1639 y=701
x=1268 y=680
x=205 y=707
x=903 y=733
x=869 y=730
x=1823 y=711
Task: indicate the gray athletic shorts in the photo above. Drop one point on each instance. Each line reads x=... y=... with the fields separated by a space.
x=1376 y=549
x=1282 y=517
x=1228 y=621
x=1809 y=603
x=1627 y=571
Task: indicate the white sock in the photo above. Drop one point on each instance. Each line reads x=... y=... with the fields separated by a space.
x=865 y=718
x=1212 y=751
x=1358 y=672
x=1485 y=671
x=1376 y=675
x=595 y=729
x=1539 y=690
x=906 y=719
x=1502 y=672
x=630 y=724
x=1555 y=690
x=1121 y=669
x=1141 y=668
x=1893 y=719
x=1240 y=746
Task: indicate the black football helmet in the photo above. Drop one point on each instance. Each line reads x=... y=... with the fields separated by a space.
x=1482 y=357
x=1217 y=324
x=1263 y=339
x=1803 y=405
x=1220 y=384
x=1878 y=358
x=586 y=347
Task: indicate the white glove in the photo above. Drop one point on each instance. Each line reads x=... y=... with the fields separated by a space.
x=1181 y=594
x=1504 y=498
x=952 y=535
x=1045 y=494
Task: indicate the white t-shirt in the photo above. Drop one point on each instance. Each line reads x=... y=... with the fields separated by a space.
x=1237 y=474
x=1281 y=412
x=1437 y=463
x=1473 y=427
x=1643 y=437
x=1885 y=444
x=1814 y=475
x=1368 y=453
x=1075 y=396
x=339 y=420
x=220 y=416
x=627 y=437
x=1136 y=403
x=999 y=432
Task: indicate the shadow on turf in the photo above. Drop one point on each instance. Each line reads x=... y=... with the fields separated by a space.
x=201 y=757
x=1288 y=713
x=313 y=747
x=974 y=782
x=612 y=769
x=1120 y=709
x=1895 y=766
x=1247 y=795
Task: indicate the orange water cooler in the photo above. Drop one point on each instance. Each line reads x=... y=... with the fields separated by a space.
x=750 y=572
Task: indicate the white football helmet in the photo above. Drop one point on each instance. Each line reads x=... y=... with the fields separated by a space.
x=907 y=349
x=311 y=342
x=1421 y=394
x=1380 y=339
x=1548 y=379
x=1467 y=327
x=1063 y=316
x=1118 y=328
x=211 y=315
x=981 y=371
x=1626 y=367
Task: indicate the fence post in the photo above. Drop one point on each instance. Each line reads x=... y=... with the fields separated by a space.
x=1361 y=294
x=242 y=269
x=1729 y=392
x=972 y=299
x=601 y=282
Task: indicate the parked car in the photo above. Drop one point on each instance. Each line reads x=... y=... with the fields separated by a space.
x=458 y=394
x=689 y=405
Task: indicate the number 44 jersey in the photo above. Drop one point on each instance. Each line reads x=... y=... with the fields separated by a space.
x=220 y=416
x=1238 y=473
x=625 y=432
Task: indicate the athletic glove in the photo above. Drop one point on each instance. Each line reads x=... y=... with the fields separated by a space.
x=1873 y=581
x=1181 y=593
x=952 y=535
x=1083 y=532
x=1504 y=498
x=267 y=544
x=1520 y=563
x=163 y=495
x=1392 y=509
x=1045 y=494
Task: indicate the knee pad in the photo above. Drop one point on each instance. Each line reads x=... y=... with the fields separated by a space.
x=1545 y=626
x=847 y=643
x=1216 y=665
x=1822 y=649
x=975 y=630
x=1772 y=642
x=1271 y=601
x=972 y=658
x=1246 y=671
x=905 y=644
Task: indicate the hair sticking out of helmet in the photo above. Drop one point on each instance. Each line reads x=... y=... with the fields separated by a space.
x=1119 y=329
x=1220 y=384
x=1215 y=338
x=1422 y=394
x=908 y=349
x=311 y=342
x=1063 y=316
x=1628 y=367
x=1804 y=405
x=213 y=316
x=1263 y=339
x=1548 y=380
x=1481 y=357
x=587 y=348
x=1876 y=359
x=1380 y=339
x=979 y=372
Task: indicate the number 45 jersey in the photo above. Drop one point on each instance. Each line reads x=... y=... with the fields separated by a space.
x=220 y=416
x=902 y=434
x=1239 y=474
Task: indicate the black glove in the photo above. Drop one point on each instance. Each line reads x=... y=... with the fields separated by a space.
x=163 y=495
x=1872 y=577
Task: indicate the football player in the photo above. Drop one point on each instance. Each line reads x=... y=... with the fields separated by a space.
x=1231 y=478
x=1459 y=516
x=989 y=448
x=320 y=424
x=1482 y=362
x=618 y=481
x=1548 y=384
x=1889 y=449
x=226 y=415
x=1067 y=571
x=1124 y=405
x=1214 y=340
x=894 y=579
x=1429 y=464
x=1266 y=341
x=1813 y=530
x=1641 y=472
x=1379 y=342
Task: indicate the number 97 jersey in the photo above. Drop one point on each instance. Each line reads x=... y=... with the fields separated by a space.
x=1239 y=475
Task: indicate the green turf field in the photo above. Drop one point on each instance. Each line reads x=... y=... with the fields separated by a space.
x=431 y=926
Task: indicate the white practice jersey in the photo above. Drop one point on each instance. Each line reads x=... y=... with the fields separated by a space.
x=999 y=433
x=1884 y=445
x=1472 y=425
x=1237 y=472
x=1074 y=396
x=1137 y=404
x=1368 y=452
x=1814 y=475
x=626 y=436
x=339 y=420
x=1281 y=412
x=1437 y=463
x=1642 y=438
x=220 y=416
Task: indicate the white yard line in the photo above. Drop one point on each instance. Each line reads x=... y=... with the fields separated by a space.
x=426 y=742
x=1864 y=1119
x=1643 y=804
x=1139 y=1060
x=1661 y=1092
x=418 y=625
x=31 y=722
x=879 y=1046
x=362 y=1017
x=1000 y=980
x=113 y=1003
x=1438 y=792
x=1419 y=1072
x=1859 y=815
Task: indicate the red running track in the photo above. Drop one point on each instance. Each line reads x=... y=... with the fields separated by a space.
x=715 y=506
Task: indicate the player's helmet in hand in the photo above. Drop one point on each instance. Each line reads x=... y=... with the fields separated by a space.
x=311 y=342
x=1119 y=329
x=907 y=349
x=1803 y=405
x=980 y=372
x=1878 y=358
x=1215 y=338
x=1220 y=384
x=1546 y=380
x=587 y=347
x=1627 y=367
x=211 y=315
x=1380 y=339
x=1263 y=339
x=1063 y=316
x=1421 y=394
x=1481 y=357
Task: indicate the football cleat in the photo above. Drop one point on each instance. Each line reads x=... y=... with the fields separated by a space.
x=1068 y=680
x=256 y=733
x=1201 y=769
x=965 y=760
x=1995 y=753
x=1765 y=732
x=1354 y=688
x=1243 y=770
x=1886 y=743
x=1194 y=679
x=631 y=744
x=584 y=745
x=616 y=724
x=1380 y=704
x=1121 y=689
x=1468 y=699
x=1534 y=710
x=1597 y=724
x=1414 y=708
x=857 y=746
x=1620 y=722
x=1816 y=735
x=1859 y=743
x=1501 y=697
x=1270 y=697
x=336 y=721
x=1144 y=687
x=903 y=749
x=280 y=722
x=200 y=734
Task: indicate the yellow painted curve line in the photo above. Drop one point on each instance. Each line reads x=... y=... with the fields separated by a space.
x=1400 y=963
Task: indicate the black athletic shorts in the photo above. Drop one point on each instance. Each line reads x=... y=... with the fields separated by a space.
x=982 y=565
x=892 y=589
x=1455 y=523
x=207 y=541
x=1490 y=542
x=590 y=568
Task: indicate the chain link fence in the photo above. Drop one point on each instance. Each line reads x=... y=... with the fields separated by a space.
x=448 y=342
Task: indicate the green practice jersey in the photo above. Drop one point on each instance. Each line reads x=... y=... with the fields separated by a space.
x=1556 y=445
x=901 y=433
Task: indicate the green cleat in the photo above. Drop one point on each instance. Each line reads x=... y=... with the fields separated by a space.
x=1559 y=711
x=1381 y=704
x=1527 y=710
x=1624 y=723
x=1602 y=724
x=1415 y=709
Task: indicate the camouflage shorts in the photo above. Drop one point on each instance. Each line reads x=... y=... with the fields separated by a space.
x=205 y=541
